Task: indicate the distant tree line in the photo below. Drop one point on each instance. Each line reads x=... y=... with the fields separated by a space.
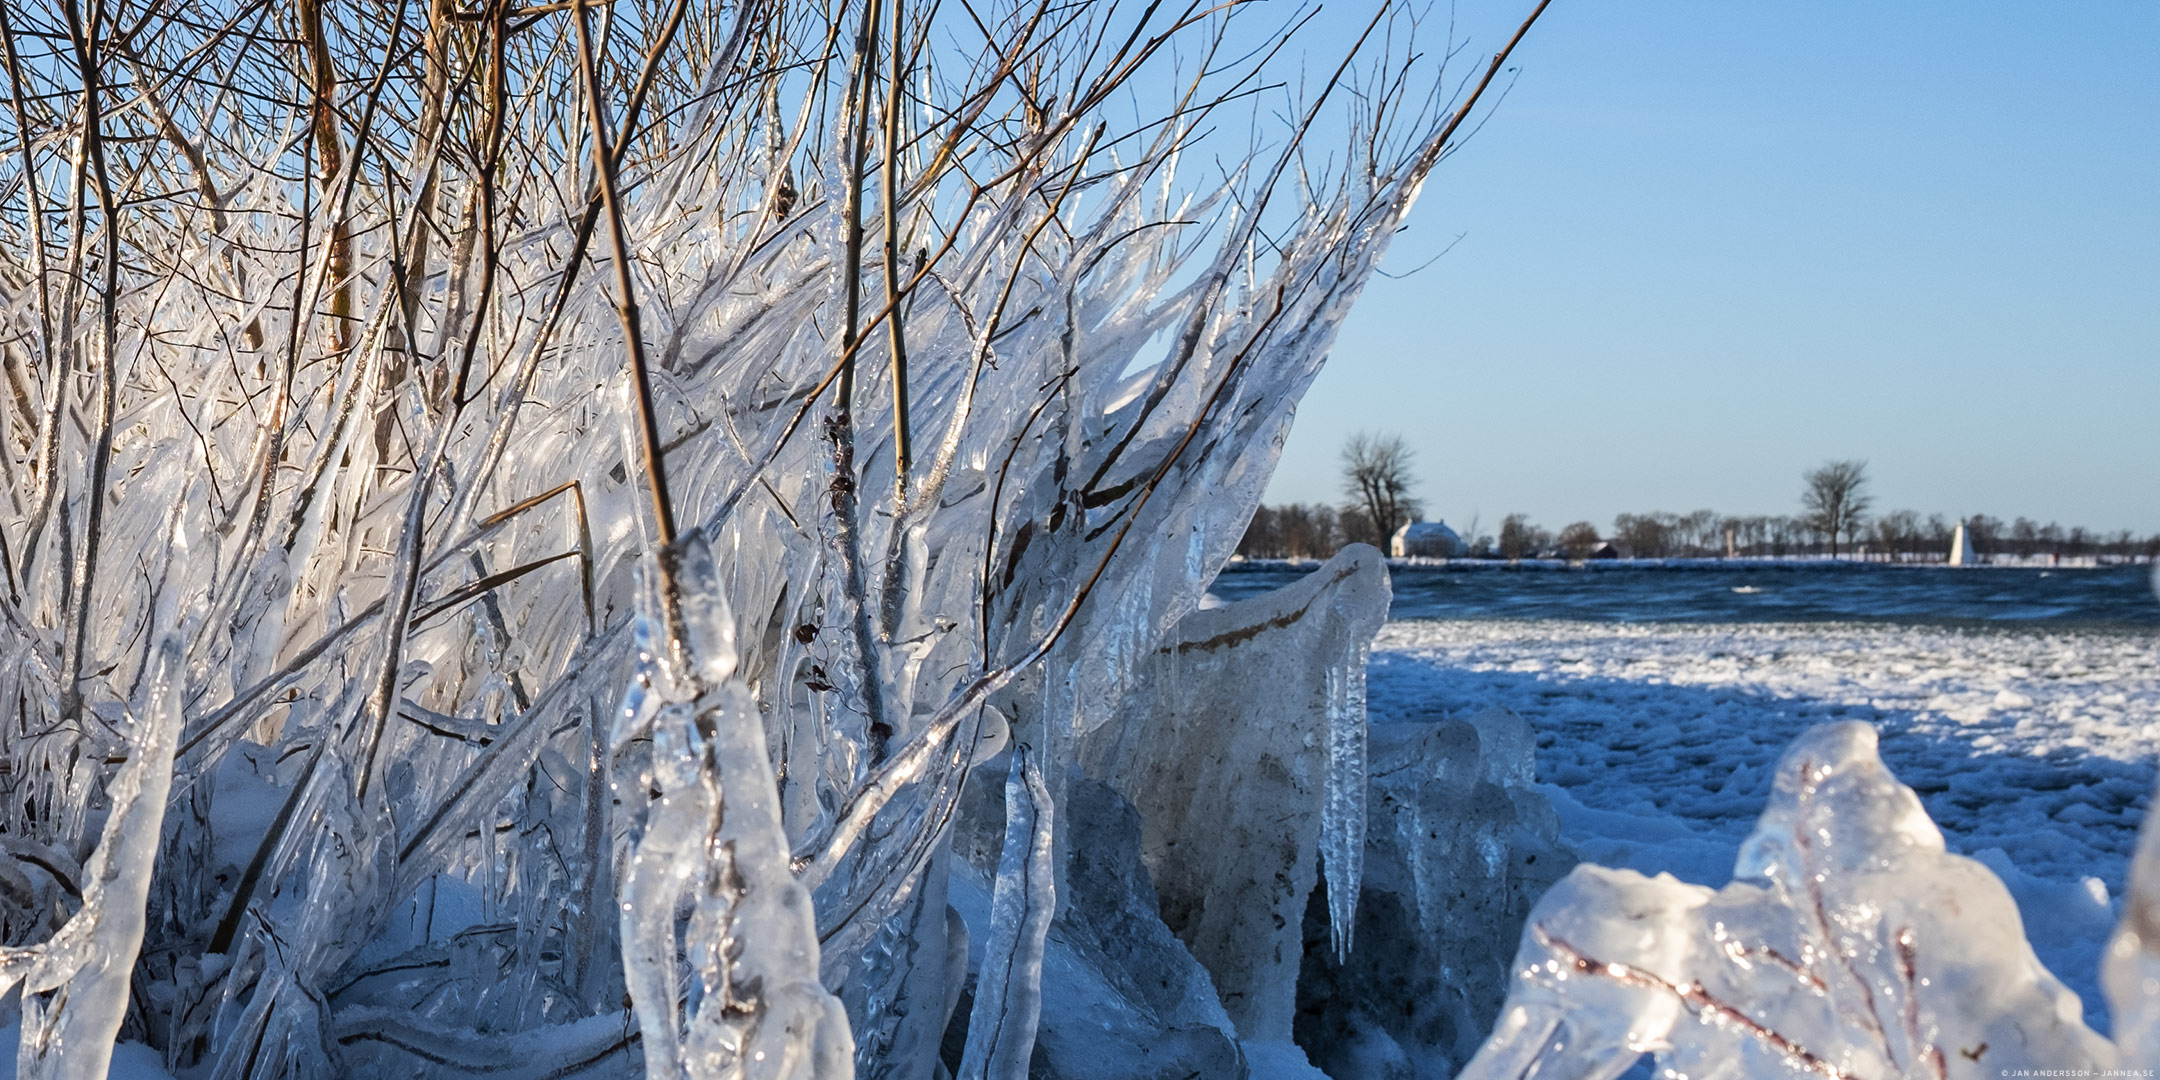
x=1316 y=531
x=1307 y=531
x=1833 y=521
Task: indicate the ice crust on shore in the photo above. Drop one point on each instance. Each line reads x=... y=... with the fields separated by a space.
x=1850 y=943
x=1657 y=743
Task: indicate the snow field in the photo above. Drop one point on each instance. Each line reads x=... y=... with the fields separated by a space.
x=2034 y=750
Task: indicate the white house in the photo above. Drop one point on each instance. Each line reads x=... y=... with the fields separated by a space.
x=1427 y=539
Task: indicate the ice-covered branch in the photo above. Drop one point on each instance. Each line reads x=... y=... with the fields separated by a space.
x=1008 y=998
x=75 y=986
x=713 y=842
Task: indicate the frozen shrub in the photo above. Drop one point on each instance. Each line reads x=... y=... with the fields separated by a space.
x=369 y=353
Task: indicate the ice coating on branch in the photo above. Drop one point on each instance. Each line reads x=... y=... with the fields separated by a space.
x=713 y=839
x=1850 y=944
x=1008 y=993
x=75 y=985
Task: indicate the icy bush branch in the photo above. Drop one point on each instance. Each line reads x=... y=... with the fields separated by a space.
x=75 y=986
x=713 y=842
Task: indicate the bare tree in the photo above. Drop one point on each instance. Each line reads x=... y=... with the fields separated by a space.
x=1577 y=541
x=1291 y=531
x=1310 y=532
x=1519 y=539
x=2025 y=534
x=1649 y=536
x=1377 y=480
x=1899 y=531
x=1699 y=532
x=1836 y=499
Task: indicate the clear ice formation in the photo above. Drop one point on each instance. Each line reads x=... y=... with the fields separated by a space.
x=1008 y=990
x=75 y=985
x=1458 y=848
x=1342 y=806
x=1849 y=944
x=1122 y=998
x=1243 y=749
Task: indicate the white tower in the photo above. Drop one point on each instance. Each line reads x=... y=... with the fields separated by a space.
x=1961 y=551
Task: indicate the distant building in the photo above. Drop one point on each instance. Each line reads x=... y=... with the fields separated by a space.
x=1611 y=549
x=1427 y=539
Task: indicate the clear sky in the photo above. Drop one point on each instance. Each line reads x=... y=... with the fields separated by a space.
x=1705 y=246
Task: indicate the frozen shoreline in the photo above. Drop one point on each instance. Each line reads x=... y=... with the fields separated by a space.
x=2034 y=750
x=1738 y=562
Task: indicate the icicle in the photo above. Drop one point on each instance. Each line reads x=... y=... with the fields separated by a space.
x=1342 y=810
x=1008 y=994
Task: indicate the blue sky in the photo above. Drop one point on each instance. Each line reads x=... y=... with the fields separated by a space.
x=1706 y=246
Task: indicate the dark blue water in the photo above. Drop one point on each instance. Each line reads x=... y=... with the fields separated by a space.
x=2116 y=596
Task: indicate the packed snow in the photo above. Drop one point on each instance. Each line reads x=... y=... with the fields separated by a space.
x=2033 y=750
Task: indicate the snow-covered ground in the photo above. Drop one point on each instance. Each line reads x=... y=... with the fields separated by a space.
x=130 y=1060
x=2035 y=750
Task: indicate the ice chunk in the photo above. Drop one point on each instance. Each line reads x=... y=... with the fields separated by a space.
x=1121 y=997
x=130 y=1060
x=1849 y=944
x=2130 y=973
x=1279 y=1061
x=1243 y=748
x=1456 y=853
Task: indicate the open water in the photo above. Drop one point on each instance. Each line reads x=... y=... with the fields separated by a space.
x=1743 y=592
